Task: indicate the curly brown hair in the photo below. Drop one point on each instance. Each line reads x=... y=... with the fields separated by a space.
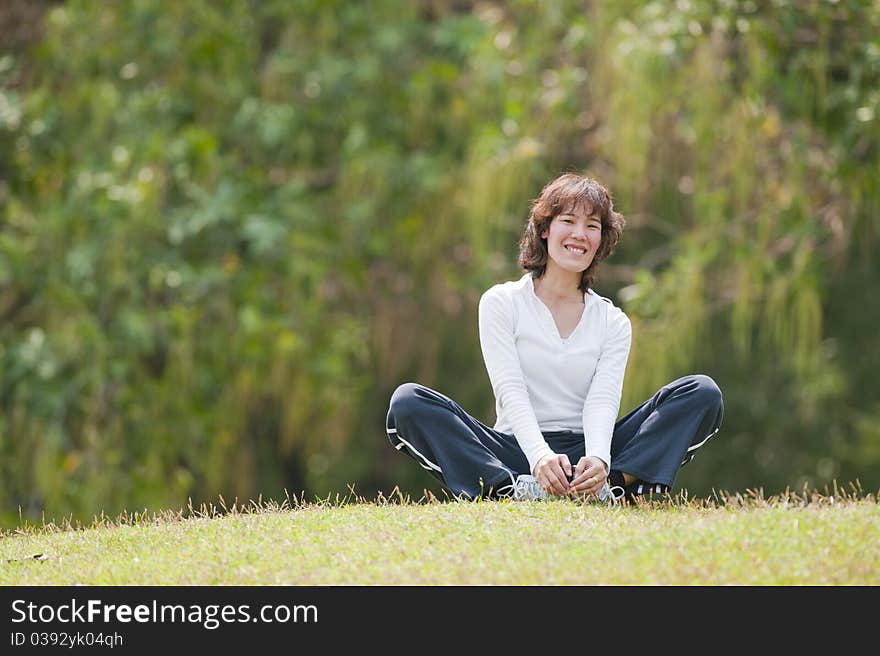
x=561 y=196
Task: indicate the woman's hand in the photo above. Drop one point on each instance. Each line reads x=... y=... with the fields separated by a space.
x=589 y=476
x=553 y=472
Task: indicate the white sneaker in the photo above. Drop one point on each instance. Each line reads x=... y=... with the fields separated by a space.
x=527 y=488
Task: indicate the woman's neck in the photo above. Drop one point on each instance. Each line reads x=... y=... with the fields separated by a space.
x=557 y=284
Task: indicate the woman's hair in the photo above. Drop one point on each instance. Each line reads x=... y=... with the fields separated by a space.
x=566 y=193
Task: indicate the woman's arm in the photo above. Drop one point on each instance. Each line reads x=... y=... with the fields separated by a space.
x=603 y=399
x=502 y=363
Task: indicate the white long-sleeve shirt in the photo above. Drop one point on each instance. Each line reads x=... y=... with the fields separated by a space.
x=543 y=382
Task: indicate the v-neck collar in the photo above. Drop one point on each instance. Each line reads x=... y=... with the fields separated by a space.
x=549 y=313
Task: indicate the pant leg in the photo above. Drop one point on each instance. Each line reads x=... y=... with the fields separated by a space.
x=467 y=456
x=663 y=434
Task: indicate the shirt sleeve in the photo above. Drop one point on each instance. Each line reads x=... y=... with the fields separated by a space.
x=505 y=373
x=603 y=399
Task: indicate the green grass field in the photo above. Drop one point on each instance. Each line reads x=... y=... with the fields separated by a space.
x=811 y=539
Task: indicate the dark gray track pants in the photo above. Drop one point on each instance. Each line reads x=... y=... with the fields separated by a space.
x=471 y=459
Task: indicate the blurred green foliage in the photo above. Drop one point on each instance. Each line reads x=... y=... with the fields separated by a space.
x=228 y=230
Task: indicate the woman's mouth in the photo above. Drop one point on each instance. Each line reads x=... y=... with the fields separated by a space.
x=575 y=250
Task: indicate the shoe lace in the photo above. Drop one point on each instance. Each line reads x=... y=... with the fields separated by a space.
x=615 y=494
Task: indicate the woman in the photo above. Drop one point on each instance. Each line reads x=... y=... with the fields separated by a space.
x=556 y=354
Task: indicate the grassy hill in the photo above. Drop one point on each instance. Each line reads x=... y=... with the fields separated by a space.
x=791 y=539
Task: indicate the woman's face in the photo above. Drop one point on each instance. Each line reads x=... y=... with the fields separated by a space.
x=573 y=239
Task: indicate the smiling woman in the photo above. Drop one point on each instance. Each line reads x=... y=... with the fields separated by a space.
x=556 y=354
x=572 y=213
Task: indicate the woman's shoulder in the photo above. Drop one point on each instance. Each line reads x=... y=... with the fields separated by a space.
x=508 y=290
x=614 y=313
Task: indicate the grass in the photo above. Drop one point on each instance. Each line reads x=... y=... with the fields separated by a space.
x=740 y=539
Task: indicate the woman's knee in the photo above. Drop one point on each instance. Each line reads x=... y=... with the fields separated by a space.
x=708 y=391
x=405 y=400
